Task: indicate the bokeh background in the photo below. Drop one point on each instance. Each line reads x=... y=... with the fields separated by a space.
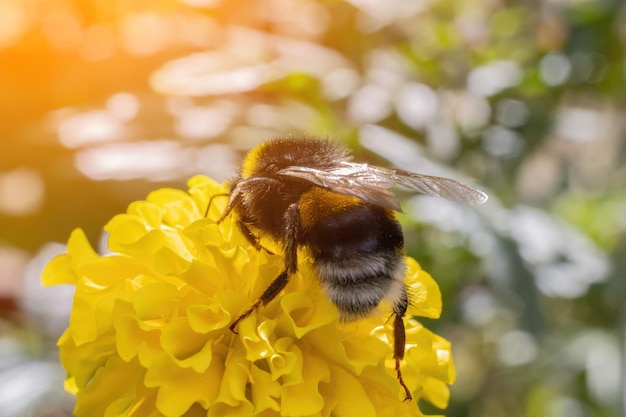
x=102 y=101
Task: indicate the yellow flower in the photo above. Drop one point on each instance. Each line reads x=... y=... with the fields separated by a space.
x=148 y=333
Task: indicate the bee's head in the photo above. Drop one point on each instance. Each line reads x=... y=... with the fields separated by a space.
x=270 y=157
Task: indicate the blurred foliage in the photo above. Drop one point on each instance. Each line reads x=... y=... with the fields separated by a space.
x=103 y=101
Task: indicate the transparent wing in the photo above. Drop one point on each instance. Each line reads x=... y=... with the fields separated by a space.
x=371 y=183
x=432 y=186
x=348 y=180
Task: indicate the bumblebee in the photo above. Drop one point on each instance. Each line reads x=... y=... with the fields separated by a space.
x=308 y=194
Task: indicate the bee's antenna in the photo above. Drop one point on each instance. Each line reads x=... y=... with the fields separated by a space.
x=208 y=207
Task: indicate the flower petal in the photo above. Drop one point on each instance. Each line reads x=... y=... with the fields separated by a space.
x=304 y=399
x=423 y=291
x=66 y=268
x=180 y=387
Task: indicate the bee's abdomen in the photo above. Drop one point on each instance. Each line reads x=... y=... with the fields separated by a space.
x=358 y=258
x=357 y=285
x=360 y=229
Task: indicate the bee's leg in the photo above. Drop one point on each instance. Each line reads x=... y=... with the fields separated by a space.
x=292 y=226
x=292 y=231
x=268 y=295
x=250 y=237
x=399 y=339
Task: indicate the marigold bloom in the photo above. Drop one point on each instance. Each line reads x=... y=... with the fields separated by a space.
x=148 y=333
